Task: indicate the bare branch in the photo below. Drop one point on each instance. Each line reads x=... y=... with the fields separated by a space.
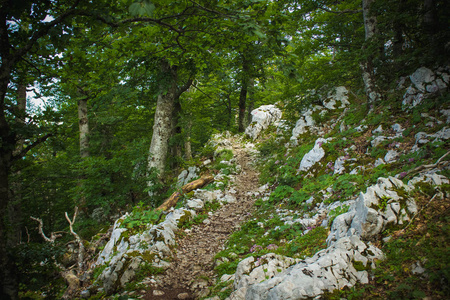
x=78 y=239
x=53 y=235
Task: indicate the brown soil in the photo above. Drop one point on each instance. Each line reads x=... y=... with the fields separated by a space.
x=192 y=268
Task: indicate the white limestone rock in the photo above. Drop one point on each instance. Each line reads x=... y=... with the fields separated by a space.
x=313 y=156
x=130 y=251
x=377 y=140
x=262 y=117
x=338 y=98
x=192 y=174
x=379 y=129
x=195 y=204
x=328 y=270
x=391 y=156
x=424 y=82
x=302 y=125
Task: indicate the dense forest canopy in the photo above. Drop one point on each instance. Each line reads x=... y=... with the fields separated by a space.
x=134 y=90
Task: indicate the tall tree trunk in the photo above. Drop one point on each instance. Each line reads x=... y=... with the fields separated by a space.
x=8 y=276
x=430 y=18
x=243 y=93
x=370 y=27
x=398 y=31
x=162 y=127
x=187 y=138
x=14 y=208
x=242 y=102
x=83 y=124
x=176 y=131
x=251 y=100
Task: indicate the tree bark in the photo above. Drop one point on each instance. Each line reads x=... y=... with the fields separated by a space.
x=83 y=124
x=173 y=199
x=163 y=121
x=176 y=132
x=370 y=27
x=243 y=93
x=162 y=128
x=251 y=100
x=187 y=138
x=8 y=277
x=430 y=18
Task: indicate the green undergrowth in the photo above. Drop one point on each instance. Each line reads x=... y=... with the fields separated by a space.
x=425 y=241
x=268 y=233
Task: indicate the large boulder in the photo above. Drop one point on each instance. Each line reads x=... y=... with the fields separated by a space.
x=262 y=117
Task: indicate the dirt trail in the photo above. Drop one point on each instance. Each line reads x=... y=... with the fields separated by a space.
x=192 y=269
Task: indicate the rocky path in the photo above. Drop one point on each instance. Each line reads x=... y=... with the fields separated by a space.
x=192 y=268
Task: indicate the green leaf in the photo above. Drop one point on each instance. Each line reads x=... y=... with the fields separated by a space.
x=143 y=8
x=259 y=34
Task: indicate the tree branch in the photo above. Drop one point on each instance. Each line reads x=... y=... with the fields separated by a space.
x=53 y=235
x=78 y=239
x=29 y=147
x=340 y=12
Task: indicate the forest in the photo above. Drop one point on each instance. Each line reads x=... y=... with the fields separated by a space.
x=103 y=103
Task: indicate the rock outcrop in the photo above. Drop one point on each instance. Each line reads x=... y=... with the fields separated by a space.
x=262 y=117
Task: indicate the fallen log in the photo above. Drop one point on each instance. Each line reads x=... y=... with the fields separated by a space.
x=173 y=199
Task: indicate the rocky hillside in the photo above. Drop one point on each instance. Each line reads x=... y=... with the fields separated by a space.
x=352 y=201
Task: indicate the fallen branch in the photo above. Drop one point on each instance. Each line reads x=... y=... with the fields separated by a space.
x=427 y=167
x=173 y=199
x=78 y=239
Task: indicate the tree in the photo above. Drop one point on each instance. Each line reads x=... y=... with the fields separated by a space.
x=370 y=27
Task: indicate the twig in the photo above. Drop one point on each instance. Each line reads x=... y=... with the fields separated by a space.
x=412 y=219
x=77 y=237
x=423 y=167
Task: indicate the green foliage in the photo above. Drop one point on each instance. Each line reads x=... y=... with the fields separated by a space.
x=140 y=218
x=280 y=193
x=337 y=211
x=37 y=267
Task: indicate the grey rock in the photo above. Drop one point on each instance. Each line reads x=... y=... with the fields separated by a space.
x=327 y=270
x=313 y=156
x=85 y=294
x=338 y=97
x=262 y=117
x=361 y=128
x=195 y=204
x=378 y=162
x=379 y=129
x=397 y=128
x=302 y=125
x=391 y=156
x=339 y=165
x=378 y=140
x=421 y=77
